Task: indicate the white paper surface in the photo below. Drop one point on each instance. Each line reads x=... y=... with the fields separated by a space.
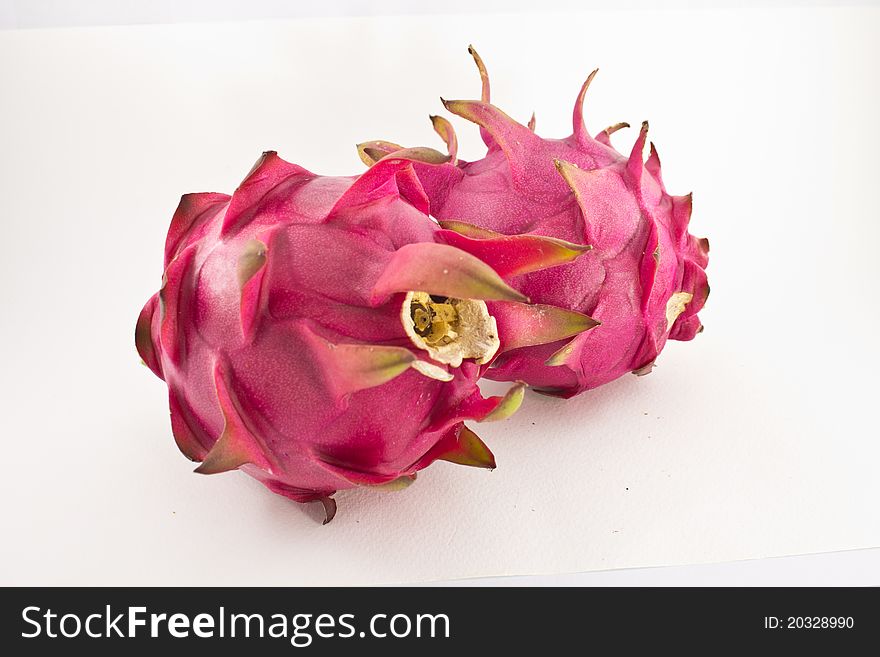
x=759 y=438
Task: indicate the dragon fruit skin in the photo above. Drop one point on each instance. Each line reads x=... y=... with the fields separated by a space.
x=278 y=331
x=644 y=279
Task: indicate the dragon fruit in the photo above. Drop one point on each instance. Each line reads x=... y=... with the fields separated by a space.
x=314 y=332
x=644 y=279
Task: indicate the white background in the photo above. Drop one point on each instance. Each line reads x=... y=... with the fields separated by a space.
x=62 y=13
x=757 y=439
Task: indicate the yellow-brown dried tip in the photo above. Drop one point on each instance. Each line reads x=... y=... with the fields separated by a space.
x=447 y=133
x=484 y=75
x=468 y=109
x=578 y=127
x=562 y=166
x=566 y=170
x=371 y=152
x=329 y=505
x=610 y=130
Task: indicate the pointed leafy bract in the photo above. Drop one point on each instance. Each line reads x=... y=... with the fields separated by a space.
x=174 y=301
x=604 y=137
x=609 y=214
x=442 y=270
x=236 y=446
x=468 y=449
x=485 y=93
x=371 y=152
x=348 y=368
x=579 y=129
x=281 y=332
x=513 y=138
x=261 y=190
x=447 y=133
x=682 y=206
x=461 y=446
x=653 y=165
x=507 y=405
x=493 y=409
x=411 y=190
x=513 y=255
x=190 y=219
x=376 y=184
x=527 y=325
x=634 y=165
x=305 y=496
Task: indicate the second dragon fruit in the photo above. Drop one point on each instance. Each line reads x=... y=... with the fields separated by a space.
x=644 y=279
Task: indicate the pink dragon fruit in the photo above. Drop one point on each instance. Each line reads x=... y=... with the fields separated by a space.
x=314 y=333
x=644 y=280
